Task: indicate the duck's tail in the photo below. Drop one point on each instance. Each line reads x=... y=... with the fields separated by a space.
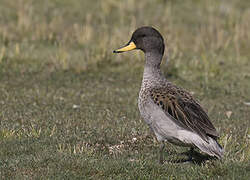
x=212 y=147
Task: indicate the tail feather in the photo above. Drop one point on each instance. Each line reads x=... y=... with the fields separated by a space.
x=212 y=148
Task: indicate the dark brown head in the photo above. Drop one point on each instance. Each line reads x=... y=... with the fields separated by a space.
x=146 y=39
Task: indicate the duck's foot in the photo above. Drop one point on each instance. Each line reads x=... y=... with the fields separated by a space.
x=190 y=155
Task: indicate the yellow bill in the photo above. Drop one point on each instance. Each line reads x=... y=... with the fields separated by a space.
x=130 y=46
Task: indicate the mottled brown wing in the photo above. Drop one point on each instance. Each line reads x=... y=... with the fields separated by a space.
x=185 y=110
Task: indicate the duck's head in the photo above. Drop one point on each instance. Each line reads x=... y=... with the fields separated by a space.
x=146 y=39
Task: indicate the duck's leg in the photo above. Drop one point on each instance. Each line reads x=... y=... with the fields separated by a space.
x=162 y=146
x=190 y=155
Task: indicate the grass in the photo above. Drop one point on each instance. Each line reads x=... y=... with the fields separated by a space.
x=68 y=106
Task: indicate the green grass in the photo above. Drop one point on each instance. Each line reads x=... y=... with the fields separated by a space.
x=68 y=106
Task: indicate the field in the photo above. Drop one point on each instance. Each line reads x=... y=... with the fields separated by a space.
x=68 y=105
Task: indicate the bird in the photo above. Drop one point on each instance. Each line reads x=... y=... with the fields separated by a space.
x=170 y=111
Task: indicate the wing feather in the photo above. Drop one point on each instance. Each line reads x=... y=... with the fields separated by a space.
x=185 y=110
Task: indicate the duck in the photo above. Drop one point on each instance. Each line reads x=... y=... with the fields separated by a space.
x=171 y=112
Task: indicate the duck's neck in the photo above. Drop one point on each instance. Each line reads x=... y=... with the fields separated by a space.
x=152 y=71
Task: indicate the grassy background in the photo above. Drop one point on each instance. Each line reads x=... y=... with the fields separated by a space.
x=68 y=106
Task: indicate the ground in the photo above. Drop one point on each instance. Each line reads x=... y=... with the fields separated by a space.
x=68 y=105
